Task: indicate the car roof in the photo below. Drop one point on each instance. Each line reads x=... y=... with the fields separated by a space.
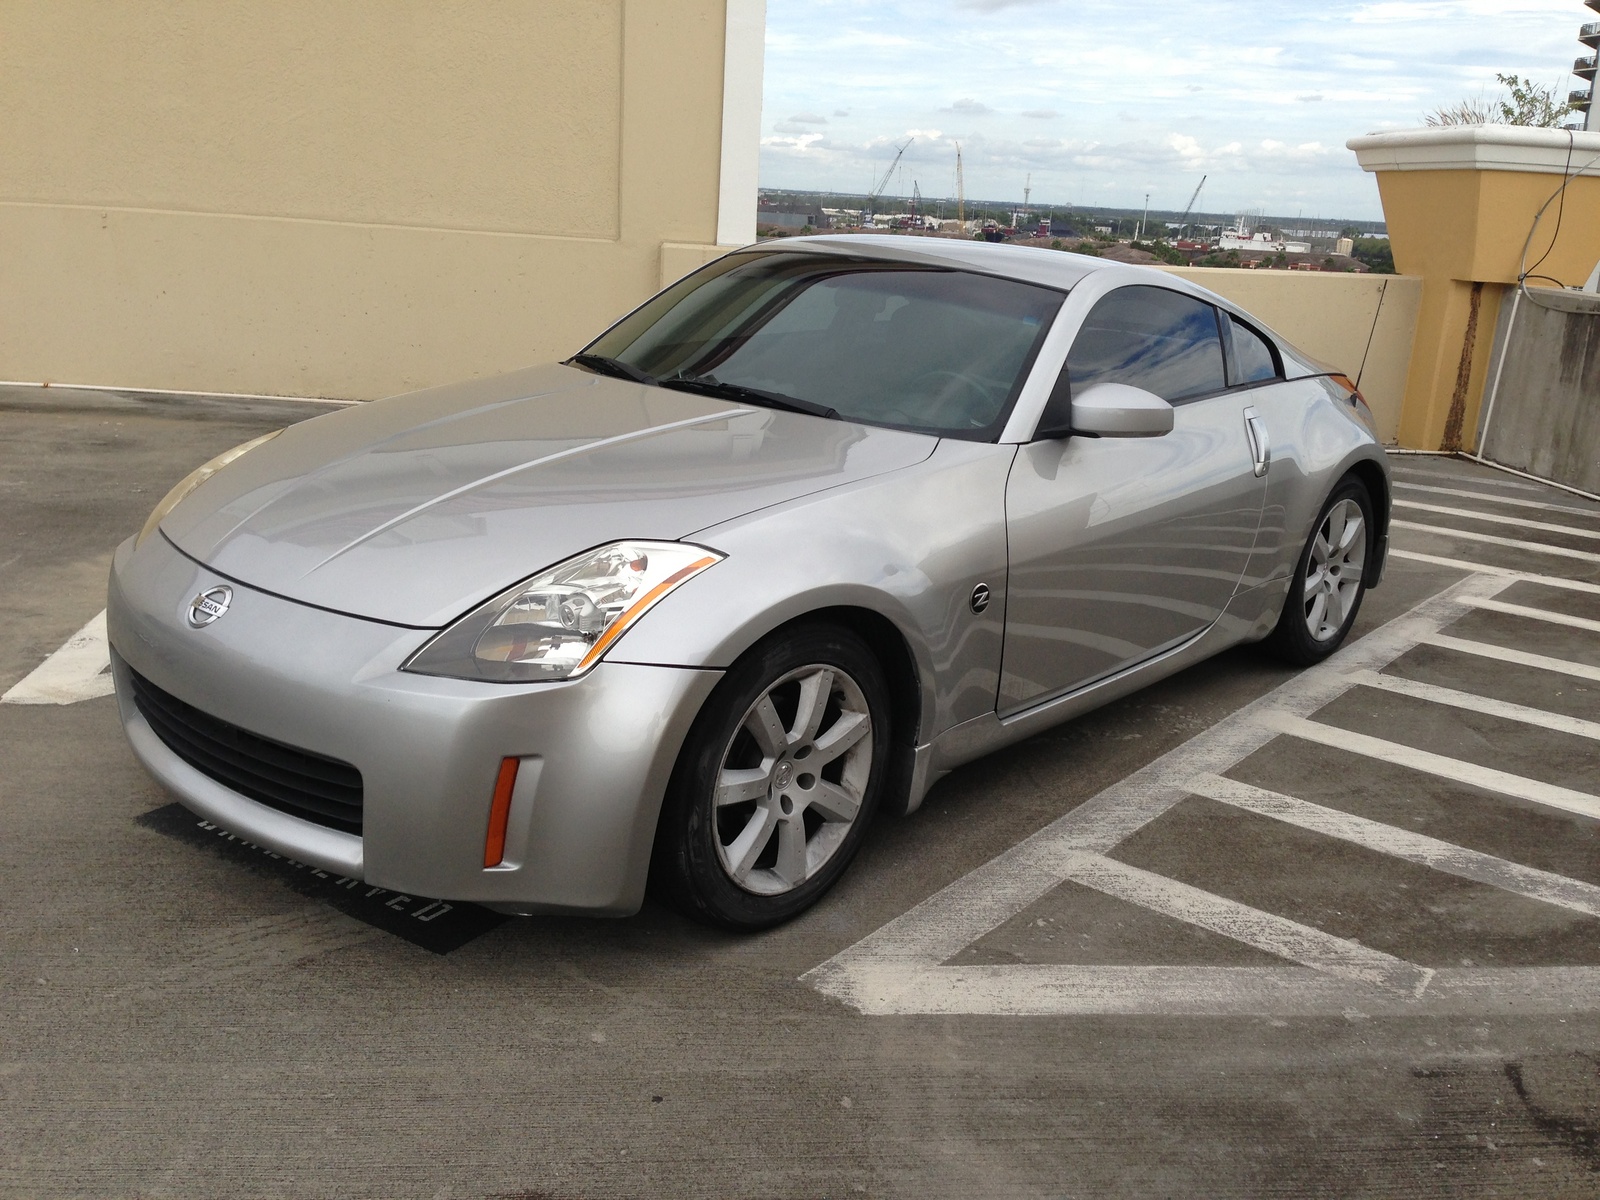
x=1030 y=264
x=1034 y=264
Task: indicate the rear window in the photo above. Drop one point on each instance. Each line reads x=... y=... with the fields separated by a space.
x=1152 y=338
x=923 y=348
x=1253 y=358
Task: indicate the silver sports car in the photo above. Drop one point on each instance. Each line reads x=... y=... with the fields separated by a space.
x=804 y=532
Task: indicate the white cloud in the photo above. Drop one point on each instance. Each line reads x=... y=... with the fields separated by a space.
x=968 y=107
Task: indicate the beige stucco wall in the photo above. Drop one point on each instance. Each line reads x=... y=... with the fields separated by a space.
x=1331 y=317
x=344 y=197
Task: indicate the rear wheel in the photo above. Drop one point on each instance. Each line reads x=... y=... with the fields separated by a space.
x=1329 y=580
x=776 y=782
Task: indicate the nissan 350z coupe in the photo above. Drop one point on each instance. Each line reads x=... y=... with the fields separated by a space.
x=806 y=531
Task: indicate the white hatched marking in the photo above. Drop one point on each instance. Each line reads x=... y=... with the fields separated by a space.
x=899 y=967
x=1486 y=481
x=1276 y=935
x=1513 y=501
x=1460 y=564
x=1521 y=657
x=1538 y=614
x=1498 y=519
x=1488 y=778
x=79 y=670
x=1490 y=539
x=1544 y=886
x=1435 y=694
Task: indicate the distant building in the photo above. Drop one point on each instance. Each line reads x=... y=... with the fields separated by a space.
x=780 y=218
x=1344 y=246
x=1260 y=242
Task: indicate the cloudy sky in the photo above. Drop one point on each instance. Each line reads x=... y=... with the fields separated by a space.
x=1103 y=100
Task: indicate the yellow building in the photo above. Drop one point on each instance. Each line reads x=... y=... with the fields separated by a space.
x=357 y=198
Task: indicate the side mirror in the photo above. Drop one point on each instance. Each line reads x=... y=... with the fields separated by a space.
x=1109 y=410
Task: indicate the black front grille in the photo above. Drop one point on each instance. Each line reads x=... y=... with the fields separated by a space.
x=306 y=785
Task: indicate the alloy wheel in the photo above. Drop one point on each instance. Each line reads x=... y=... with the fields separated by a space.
x=792 y=779
x=1335 y=569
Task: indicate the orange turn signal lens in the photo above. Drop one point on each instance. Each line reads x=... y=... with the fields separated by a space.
x=494 y=846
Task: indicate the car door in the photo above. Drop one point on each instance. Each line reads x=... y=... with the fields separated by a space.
x=1121 y=548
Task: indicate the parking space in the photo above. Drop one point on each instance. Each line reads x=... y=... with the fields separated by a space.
x=1249 y=932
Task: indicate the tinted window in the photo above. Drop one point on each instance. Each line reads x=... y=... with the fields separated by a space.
x=1252 y=356
x=1152 y=338
x=930 y=349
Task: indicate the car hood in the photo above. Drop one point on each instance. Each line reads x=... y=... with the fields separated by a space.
x=413 y=510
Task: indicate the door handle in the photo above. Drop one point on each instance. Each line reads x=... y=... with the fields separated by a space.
x=1260 y=447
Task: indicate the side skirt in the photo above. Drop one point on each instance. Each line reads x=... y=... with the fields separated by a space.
x=1249 y=617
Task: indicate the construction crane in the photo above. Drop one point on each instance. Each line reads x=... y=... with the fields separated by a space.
x=961 y=195
x=872 y=196
x=1183 y=221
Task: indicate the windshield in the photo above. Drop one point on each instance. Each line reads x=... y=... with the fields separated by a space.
x=925 y=348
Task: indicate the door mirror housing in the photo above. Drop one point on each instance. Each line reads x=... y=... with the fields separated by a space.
x=1107 y=410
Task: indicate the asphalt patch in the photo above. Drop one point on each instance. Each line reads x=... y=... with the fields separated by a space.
x=437 y=925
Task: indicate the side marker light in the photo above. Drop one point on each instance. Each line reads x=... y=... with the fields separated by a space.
x=494 y=846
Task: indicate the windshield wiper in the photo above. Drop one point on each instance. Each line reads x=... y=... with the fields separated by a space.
x=613 y=366
x=710 y=385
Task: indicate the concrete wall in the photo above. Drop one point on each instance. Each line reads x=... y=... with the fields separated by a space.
x=356 y=197
x=1544 y=416
x=1333 y=317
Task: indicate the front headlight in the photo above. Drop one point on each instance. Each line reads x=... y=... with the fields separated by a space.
x=559 y=623
x=193 y=480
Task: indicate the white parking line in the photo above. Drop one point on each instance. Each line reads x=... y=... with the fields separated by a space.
x=1486 y=481
x=1538 y=614
x=1489 y=539
x=1434 y=694
x=1461 y=564
x=1276 y=935
x=1514 y=501
x=1425 y=851
x=1498 y=519
x=1521 y=657
x=1506 y=784
x=79 y=670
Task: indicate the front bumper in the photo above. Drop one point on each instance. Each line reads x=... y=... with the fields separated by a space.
x=597 y=752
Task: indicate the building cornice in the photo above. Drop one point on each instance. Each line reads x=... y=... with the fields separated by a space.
x=1480 y=148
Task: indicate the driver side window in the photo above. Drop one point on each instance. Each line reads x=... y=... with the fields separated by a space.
x=1151 y=338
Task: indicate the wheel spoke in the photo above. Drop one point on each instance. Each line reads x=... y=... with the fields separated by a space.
x=833 y=802
x=1314 y=615
x=1347 y=537
x=1335 y=610
x=791 y=864
x=849 y=729
x=742 y=852
x=735 y=786
x=815 y=690
x=767 y=728
x=1319 y=548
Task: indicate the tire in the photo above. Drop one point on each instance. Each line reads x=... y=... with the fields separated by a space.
x=773 y=792
x=1329 y=579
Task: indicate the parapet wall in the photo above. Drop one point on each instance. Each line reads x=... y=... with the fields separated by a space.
x=1543 y=415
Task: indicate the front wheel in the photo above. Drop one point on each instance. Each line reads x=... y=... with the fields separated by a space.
x=776 y=782
x=1329 y=580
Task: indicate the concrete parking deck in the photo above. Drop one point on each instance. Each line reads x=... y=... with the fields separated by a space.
x=1250 y=932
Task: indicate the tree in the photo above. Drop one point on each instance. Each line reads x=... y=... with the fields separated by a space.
x=1524 y=102
x=1375 y=253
